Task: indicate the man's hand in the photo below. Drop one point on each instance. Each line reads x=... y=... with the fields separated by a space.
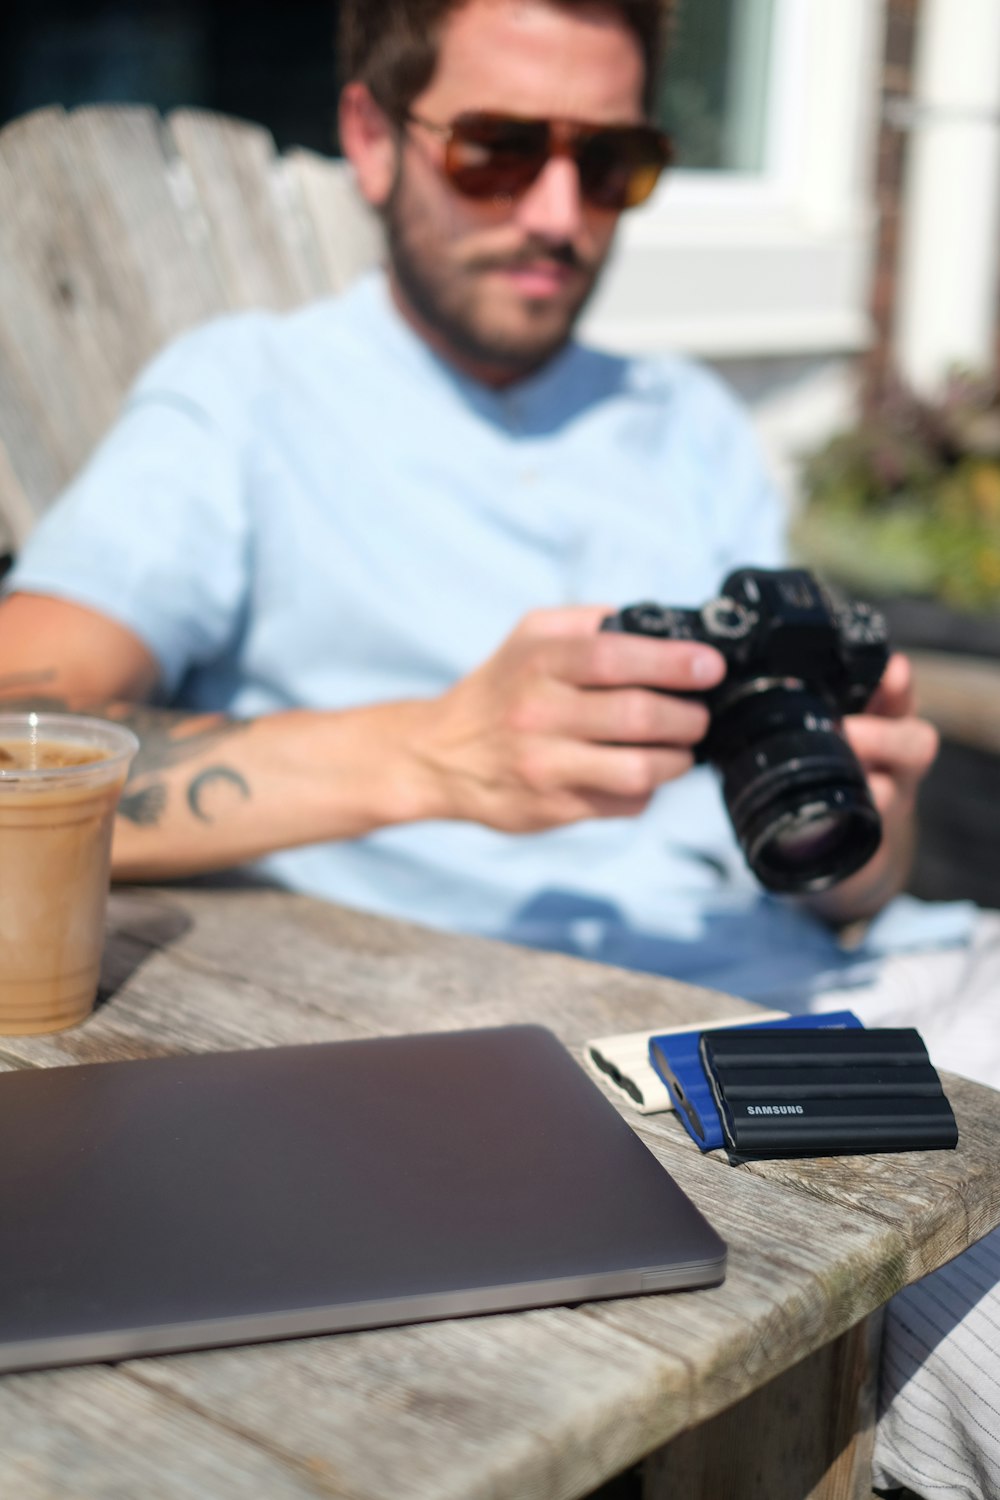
x=565 y=722
x=896 y=749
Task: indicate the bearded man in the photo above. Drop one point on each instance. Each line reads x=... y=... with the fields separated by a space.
x=344 y=569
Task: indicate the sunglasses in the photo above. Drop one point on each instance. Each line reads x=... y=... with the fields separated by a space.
x=491 y=155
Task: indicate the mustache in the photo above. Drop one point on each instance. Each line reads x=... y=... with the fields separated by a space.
x=563 y=253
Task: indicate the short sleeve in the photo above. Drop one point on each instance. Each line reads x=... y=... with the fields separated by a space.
x=153 y=532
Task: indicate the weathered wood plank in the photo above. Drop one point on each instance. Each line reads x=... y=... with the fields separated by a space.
x=258 y=238
x=58 y=389
x=536 y=1406
x=944 y=1200
x=789 y=1289
x=93 y=1434
x=157 y=999
x=347 y=234
x=129 y=194
x=812 y=1428
x=403 y=977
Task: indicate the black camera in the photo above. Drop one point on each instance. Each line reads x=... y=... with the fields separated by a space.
x=799 y=656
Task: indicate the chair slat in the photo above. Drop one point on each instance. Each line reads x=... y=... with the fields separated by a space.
x=255 y=233
x=347 y=233
x=58 y=387
x=152 y=240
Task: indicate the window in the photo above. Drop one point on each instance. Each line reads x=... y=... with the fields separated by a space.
x=760 y=241
x=714 y=97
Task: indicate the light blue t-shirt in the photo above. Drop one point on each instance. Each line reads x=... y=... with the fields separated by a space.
x=313 y=510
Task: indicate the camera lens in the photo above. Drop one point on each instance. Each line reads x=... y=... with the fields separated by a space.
x=796 y=794
x=813 y=834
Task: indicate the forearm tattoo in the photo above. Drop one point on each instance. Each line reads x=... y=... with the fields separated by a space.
x=167 y=739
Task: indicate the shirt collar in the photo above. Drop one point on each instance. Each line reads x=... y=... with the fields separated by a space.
x=539 y=403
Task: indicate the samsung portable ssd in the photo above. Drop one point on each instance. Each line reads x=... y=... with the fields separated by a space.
x=815 y=1092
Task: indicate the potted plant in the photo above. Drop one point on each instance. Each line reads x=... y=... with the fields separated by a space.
x=905 y=508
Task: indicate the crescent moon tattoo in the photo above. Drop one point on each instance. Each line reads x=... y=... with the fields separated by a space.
x=197 y=787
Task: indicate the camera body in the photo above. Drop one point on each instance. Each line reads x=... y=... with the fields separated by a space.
x=799 y=656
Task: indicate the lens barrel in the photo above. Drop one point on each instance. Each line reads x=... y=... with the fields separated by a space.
x=794 y=789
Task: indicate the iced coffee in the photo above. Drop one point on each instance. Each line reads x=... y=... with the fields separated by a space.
x=61 y=776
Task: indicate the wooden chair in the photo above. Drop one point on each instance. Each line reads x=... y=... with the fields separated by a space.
x=118 y=230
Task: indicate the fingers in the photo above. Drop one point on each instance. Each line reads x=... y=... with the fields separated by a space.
x=562 y=780
x=623 y=771
x=904 y=748
x=573 y=647
x=635 y=716
x=894 y=696
x=580 y=620
x=611 y=660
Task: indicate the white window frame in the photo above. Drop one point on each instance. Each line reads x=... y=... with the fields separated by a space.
x=777 y=262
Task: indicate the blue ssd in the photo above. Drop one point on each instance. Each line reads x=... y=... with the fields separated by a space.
x=675 y=1057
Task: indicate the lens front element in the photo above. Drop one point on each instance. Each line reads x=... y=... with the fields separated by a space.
x=797 y=796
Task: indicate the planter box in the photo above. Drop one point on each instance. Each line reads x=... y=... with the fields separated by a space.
x=927 y=625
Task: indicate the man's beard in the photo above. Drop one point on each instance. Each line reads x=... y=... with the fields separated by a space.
x=445 y=299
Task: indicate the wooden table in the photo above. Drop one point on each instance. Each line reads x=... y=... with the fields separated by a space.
x=540 y=1405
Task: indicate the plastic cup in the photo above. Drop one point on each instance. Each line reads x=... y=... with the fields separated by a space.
x=61 y=776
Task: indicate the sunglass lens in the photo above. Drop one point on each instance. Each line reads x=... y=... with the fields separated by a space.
x=488 y=154
x=620 y=168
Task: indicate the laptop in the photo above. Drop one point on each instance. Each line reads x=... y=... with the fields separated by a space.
x=225 y=1198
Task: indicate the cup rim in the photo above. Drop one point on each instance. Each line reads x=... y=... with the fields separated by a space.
x=123 y=745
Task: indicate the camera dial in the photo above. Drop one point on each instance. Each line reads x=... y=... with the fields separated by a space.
x=724 y=617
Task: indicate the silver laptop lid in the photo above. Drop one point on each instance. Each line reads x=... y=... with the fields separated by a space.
x=222 y=1198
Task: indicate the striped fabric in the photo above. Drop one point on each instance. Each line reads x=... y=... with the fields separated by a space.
x=938 y=1431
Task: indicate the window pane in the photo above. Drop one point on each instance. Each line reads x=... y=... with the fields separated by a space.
x=714 y=99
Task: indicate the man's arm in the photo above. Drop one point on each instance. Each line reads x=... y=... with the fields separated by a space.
x=563 y=722
x=896 y=749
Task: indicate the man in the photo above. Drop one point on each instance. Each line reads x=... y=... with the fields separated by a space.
x=406 y=697
x=362 y=552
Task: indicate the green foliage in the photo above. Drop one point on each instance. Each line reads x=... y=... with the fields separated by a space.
x=908 y=501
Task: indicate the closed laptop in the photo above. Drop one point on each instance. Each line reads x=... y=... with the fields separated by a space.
x=222 y=1198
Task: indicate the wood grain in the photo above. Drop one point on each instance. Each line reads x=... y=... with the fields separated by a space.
x=259 y=242
x=93 y=1434
x=348 y=237
x=57 y=386
x=795 y=1459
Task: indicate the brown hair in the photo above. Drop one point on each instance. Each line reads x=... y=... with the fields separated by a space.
x=392 y=45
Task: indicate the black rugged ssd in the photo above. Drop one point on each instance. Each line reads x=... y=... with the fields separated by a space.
x=824 y=1092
